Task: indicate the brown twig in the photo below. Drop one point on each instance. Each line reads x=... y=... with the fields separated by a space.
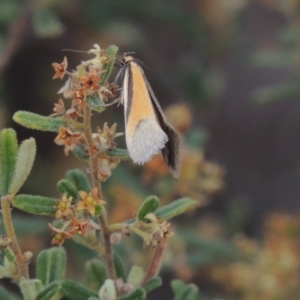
x=96 y=183
x=156 y=261
x=17 y=31
x=10 y=231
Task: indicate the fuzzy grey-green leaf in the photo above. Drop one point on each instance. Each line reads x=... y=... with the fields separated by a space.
x=184 y=291
x=38 y=122
x=79 y=179
x=176 y=208
x=150 y=205
x=111 y=52
x=24 y=163
x=65 y=186
x=51 y=265
x=8 y=157
x=152 y=284
x=95 y=103
x=95 y=273
x=138 y=294
x=50 y=291
x=136 y=276
x=118 y=153
x=35 y=204
x=118 y=264
x=75 y=291
x=30 y=288
x=80 y=152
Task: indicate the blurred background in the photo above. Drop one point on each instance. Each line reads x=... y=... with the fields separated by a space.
x=226 y=72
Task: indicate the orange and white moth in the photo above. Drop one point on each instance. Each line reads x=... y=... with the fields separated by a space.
x=147 y=129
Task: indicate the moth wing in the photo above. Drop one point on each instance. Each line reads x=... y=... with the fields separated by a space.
x=171 y=151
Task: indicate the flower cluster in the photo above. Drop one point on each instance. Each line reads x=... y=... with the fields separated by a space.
x=74 y=215
x=88 y=91
x=156 y=229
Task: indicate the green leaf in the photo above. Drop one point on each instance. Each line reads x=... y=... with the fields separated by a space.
x=118 y=153
x=95 y=103
x=65 y=186
x=79 y=180
x=118 y=264
x=8 y=157
x=8 y=269
x=46 y=24
x=53 y=289
x=111 y=52
x=30 y=288
x=150 y=205
x=38 y=122
x=51 y=265
x=80 y=152
x=152 y=284
x=136 y=276
x=4 y=294
x=76 y=291
x=183 y=291
x=108 y=290
x=35 y=204
x=138 y=294
x=91 y=298
x=25 y=160
x=176 y=208
x=95 y=273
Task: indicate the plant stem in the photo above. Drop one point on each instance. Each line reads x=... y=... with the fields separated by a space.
x=155 y=264
x=10 y=231
x=97 y=183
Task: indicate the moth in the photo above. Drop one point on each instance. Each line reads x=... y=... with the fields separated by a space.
x=146 y=127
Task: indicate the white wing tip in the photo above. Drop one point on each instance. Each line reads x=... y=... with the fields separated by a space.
x=147 y=141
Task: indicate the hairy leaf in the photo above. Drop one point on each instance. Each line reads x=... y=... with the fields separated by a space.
x=111 y=52
x=95 y=273
x=76 y=291
x=150 y=205
x=176 y=208
x=152 y=284
x=48 y=293
x=25 y=159
x=118 y=153
x=138 y=294
x=8 y=158
x=30 y=288
x=65 y=186
x=120 y=270
x=51 y=265
x=38 y=122
x=35 y=204
x=79 y=179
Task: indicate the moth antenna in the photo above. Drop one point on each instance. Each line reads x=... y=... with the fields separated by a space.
x=73 y=50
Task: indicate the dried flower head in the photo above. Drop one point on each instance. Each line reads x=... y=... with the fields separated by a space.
x=78 y=227
x=157 y=228
x=90 y=82
x=60 y=69
x=59 y=235
x=73 y=114
x=68 y=138
x=59 y=109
